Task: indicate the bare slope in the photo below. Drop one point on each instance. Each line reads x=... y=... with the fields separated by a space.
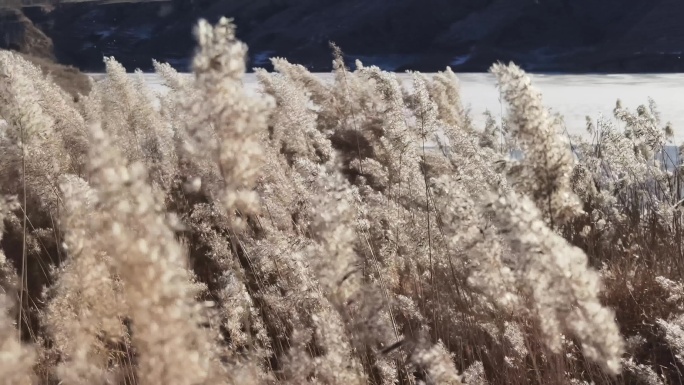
x=19 y=34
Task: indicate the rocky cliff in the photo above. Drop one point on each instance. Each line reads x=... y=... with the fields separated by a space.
x=426 y=35
x=18 y=33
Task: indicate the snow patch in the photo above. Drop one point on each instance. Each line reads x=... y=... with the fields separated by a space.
x=458 y=60
x=262 y=58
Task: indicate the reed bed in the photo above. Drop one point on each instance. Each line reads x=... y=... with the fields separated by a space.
x=309 y=235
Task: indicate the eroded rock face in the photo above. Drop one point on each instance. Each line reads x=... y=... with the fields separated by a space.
x=426 y=35
x=18 y=33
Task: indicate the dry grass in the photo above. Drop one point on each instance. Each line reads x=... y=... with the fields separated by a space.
x=69 y=78
x=309 y=235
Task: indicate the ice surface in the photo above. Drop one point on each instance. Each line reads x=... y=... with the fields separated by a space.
x=573 y=96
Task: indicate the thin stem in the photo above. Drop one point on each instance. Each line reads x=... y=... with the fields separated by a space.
x=24 y=276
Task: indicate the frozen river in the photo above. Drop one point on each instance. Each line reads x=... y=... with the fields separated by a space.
x=573 y=96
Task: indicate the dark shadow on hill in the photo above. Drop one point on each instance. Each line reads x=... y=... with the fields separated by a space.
x=571 y=36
